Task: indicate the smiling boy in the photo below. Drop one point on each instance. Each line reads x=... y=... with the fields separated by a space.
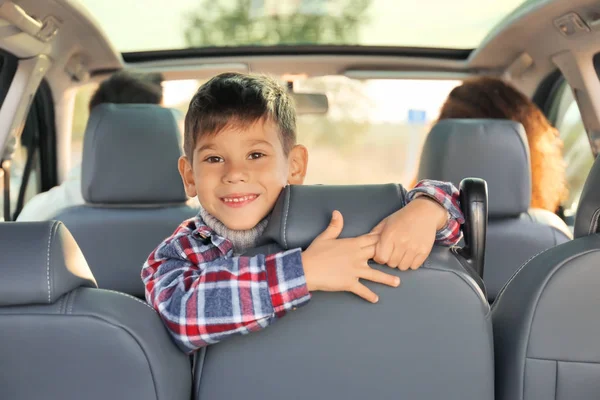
x=240 y=152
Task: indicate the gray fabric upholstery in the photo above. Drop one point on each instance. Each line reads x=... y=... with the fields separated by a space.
x=117 y=241
x=430 y=338
x=134 y=192
x=497 y=151
x=588 y=209
x=52 y=266
x=130 y=154
x=493 y=150
x=547 y=325
x=87 y=342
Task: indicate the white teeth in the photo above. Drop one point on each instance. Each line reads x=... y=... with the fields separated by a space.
x=238 y=199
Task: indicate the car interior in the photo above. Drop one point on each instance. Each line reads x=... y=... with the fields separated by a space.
x=511 y=312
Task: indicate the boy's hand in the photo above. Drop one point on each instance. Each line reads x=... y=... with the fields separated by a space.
x=408 y=235
x=333 y=265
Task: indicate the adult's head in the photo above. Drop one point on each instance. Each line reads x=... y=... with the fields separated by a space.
x=129 y=87
x=486 y=97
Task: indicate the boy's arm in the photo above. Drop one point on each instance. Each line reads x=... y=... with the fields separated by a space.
x=430 y=215
x=447 y=195
x=203 y=302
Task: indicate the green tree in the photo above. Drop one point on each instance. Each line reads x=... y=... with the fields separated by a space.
x=214 y=24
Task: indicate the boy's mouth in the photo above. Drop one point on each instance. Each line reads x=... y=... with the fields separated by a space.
x=238 y=200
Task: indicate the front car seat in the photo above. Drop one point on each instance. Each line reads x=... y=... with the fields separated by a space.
x=428 y=339
x=547 y=318
x=496 y=151
x=134 y=194
x=62 y=338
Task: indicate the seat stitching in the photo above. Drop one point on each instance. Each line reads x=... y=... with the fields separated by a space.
x=131 y=297
x=285 y=217
x=519 y=270
x=72 y=305
x=562 y=361
x=50 y=234
x=539 y=294
x=133 y=337
x=469 y=281
x=594 y=222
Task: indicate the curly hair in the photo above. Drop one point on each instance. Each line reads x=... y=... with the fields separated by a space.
x=486 y=97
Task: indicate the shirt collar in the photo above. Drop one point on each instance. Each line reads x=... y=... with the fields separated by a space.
x=203 y=232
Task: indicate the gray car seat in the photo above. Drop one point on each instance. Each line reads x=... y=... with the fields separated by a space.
x=133 y=191
x=428 y=339
x=496 y=151
x=62 y=338
x=547 y=319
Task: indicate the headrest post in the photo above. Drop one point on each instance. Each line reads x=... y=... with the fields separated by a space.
x=473 y=201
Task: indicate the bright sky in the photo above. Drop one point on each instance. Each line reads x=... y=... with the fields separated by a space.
x=158 y=24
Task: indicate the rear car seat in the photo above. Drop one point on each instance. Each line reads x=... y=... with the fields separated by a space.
x=428 y=339
x=496 y=151
x=134 y=194
x=547 y=319
x=62 y=338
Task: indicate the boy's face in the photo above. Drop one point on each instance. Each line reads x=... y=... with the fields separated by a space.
x=238 y=173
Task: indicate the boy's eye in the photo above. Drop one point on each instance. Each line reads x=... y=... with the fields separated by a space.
x=213 y=159
x=255 y=155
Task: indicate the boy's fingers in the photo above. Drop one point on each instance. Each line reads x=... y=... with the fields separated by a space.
x=334 y=228
x=379 y=227
x=407 y=261
x=368 y=240
x=375 y=275
x=362 y=291
x=383 y=251
x=418 y=261
x=367 y=253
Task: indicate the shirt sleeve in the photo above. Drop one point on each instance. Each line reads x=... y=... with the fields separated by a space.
x=204 y=302
x=447 y=195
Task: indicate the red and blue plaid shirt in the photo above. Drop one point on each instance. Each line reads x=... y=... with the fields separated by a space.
x=204 y=294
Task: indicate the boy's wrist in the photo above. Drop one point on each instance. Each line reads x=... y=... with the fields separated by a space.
x=442 y=215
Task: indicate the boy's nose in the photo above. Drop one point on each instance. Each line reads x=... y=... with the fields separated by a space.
x=235 y=174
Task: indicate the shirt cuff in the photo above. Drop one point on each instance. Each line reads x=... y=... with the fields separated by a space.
x=286 y=280
x=444 y=193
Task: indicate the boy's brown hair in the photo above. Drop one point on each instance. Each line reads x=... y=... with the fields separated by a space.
x=234 y=99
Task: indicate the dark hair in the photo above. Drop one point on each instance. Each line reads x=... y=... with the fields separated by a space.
x=239 y=99
x=487 y=97
x=129 y=87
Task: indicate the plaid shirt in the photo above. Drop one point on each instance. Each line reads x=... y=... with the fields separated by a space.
x=204 y=294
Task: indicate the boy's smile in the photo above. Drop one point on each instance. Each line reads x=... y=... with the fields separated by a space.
x=239 y=200
x=239 y=172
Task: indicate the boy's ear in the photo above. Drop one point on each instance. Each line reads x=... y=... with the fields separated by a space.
x=298 y=163
x=187 y=176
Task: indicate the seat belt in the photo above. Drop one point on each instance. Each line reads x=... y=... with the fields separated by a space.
x=5 y=166
x=9 y=151
x=31 y=153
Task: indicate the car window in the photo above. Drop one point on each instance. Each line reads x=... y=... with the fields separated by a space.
x=577 y=151
x=373 y=132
